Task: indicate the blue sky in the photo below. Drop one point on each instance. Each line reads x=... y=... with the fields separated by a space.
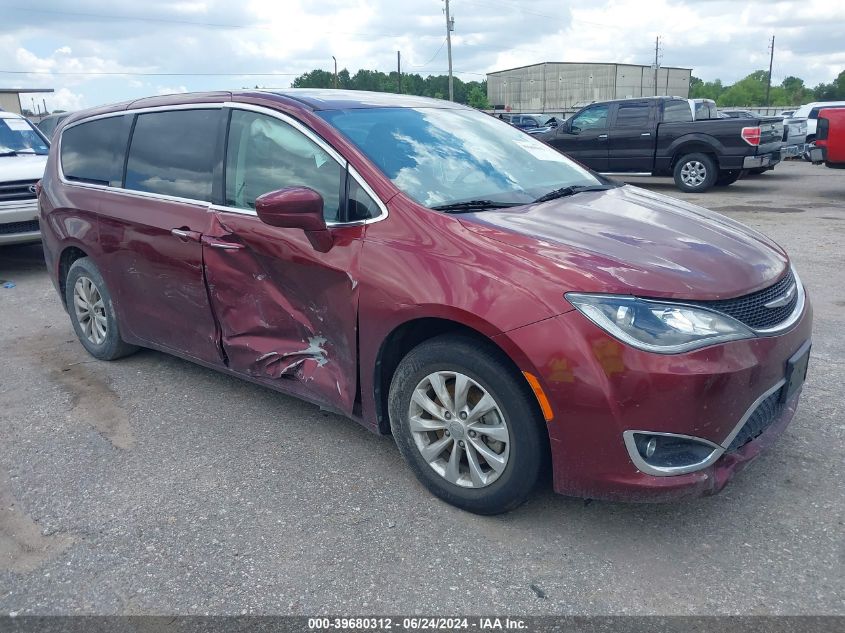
x=162 y=46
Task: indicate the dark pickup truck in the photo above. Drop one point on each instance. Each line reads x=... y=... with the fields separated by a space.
x=657 y=136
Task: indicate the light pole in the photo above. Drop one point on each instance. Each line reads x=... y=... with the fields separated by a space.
x=335 y=71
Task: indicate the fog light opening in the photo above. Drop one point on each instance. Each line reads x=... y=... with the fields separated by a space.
x=668 y=453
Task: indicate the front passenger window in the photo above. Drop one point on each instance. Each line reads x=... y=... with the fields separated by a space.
x=594 y=118
x=265 y=154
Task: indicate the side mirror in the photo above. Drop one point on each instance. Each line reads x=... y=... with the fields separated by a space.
x=292 y=208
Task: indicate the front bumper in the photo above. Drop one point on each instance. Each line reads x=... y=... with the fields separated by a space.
x=599 y=388
x=19 y=222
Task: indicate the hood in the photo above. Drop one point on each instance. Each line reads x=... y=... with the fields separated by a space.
x=23 y=167
x=632 y=241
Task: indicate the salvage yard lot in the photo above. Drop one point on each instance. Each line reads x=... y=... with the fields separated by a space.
x=152 y=485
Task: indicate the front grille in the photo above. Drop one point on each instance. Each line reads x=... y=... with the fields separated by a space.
x=17 y=190
x=751 y=309
x=766 y=412
x=12 y=228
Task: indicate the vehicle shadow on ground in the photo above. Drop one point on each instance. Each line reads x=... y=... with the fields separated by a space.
x=20 y=260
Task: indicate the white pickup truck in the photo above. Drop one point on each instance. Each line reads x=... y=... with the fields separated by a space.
x=23 y=155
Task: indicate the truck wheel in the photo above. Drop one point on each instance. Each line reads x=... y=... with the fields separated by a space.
x=467 y=424
x=729 y=177
x=695 y=173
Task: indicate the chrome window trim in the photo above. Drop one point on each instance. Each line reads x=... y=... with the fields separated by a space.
x=669 y=471
x=210 y=206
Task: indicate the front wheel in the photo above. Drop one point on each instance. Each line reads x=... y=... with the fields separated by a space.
x=467 y=425
x=695 y=173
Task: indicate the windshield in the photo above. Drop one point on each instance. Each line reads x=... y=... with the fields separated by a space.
x=441 y=156
x=19 y=136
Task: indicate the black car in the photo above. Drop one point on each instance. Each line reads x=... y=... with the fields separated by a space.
x=657 y=136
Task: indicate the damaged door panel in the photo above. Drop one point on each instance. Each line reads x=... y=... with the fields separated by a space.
x=285 y=310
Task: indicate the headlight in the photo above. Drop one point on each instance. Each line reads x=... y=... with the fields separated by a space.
x=655 y=326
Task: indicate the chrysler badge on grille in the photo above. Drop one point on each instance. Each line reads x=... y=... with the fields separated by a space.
x=782 y=300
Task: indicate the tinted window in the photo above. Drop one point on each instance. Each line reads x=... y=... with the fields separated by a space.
x=94 y=151
x=360 y=206
x=265 y=154
x=173 y=153
x=591 y=119
x=632 y=115
x=674 y=111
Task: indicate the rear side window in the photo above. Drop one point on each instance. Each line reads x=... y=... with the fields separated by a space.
x=173 y=153
x=632 y=115
x=94 y=151
x=676 y=111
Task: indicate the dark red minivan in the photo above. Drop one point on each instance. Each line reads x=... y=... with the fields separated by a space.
x=431 y=271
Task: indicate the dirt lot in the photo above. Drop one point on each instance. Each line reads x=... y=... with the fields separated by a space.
x=151 y=485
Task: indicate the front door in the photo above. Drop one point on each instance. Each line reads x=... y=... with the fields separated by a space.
x=584 y=137
x=151 y=234
x=286 y=306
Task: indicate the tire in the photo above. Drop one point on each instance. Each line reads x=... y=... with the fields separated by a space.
x=99 y=334
x=728 y=177
x=694 y=173
x=483 y=489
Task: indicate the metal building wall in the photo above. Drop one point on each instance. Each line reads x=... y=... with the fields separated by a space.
x=562 y=87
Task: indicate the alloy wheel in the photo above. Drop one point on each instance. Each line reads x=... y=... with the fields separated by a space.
x=693 y=173
x=90 y=310
x=459 y=429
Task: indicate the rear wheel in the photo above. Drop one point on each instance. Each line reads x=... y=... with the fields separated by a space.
x=92 y=312
x=466 y=425
x=695 y=173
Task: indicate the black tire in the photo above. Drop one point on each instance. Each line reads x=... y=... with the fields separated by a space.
x=111 y=346
x=488 y=368
x=697 y=162
x=728 y=177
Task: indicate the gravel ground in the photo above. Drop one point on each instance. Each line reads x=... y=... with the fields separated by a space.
x=152 y=485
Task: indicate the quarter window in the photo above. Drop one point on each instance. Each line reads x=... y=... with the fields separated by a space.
x=93 y=152
x=266 y=154
x=173 y=153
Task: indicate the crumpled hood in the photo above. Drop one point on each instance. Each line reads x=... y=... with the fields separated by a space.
x=22 y=167
x=632 y=241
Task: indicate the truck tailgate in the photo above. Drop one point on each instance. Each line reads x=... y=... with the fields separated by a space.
x=771 y=135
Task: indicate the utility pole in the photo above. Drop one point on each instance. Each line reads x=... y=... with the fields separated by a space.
x=656 y=62
x=399 y=71
x=335 y=71
x=450 y=26
x=769 y=79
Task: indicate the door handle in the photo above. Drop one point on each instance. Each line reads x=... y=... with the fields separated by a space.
x=223 y=246
x=186 y=235
x=646 y=134
x=602 y=137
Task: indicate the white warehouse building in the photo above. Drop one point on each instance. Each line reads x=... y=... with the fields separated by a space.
x=567 y=86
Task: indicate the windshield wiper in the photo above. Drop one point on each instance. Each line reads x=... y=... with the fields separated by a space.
x=474 y=205
x=18 y=152
x=572 y=190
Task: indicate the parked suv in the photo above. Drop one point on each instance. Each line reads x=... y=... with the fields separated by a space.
x=23 y=155
x=434 y=273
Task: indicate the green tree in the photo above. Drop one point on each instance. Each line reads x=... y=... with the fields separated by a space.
x=478 y=99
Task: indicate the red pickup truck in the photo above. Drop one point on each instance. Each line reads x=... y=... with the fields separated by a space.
x=830 y=139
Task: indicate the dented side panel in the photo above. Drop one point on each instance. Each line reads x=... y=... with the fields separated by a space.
x=285 y=310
